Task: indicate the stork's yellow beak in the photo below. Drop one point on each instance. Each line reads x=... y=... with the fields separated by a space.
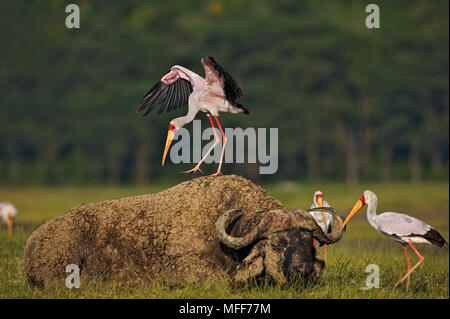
x=320 y=203
x=10 y=225
x=170 y=136
x=355 y=209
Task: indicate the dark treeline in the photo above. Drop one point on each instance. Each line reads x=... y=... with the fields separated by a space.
x=351 y=104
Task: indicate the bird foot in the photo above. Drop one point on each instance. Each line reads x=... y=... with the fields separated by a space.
x=216 y=174
x=191 y=171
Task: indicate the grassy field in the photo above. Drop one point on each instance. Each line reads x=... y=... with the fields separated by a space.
x=346 y=261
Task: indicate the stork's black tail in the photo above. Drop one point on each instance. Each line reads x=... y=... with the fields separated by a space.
x=245 y=109
x=435 y=238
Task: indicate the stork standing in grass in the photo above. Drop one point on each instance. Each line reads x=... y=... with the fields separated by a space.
x=7 y=214
x=217 y=92
x=400 y=227
x=323 y=219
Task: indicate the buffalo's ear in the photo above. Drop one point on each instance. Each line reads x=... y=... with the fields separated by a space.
x=251 y=266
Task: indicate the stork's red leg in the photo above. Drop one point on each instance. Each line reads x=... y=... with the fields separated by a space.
x=421 y=259
x=325 y=251
x=224 y=142
x=409 y=267
x=216 y=141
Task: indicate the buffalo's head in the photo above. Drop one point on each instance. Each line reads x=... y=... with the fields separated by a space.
x=276 y=243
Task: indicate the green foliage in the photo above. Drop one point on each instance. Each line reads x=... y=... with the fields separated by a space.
x=350 y=103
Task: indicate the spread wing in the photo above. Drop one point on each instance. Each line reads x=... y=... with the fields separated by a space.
x=171 y=92
x=217 y=77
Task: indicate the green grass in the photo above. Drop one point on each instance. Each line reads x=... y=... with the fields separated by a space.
x=346 y=261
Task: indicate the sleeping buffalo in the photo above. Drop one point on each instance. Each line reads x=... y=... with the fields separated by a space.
x=210 y=227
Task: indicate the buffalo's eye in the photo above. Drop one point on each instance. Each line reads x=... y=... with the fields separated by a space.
x=279 y=244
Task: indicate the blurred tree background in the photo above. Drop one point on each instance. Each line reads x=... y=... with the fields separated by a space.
x=351 y=104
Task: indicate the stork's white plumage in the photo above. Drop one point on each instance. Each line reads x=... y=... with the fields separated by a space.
x=217 y=92
x=323 y=219
x=400 y=227
x=7 y=214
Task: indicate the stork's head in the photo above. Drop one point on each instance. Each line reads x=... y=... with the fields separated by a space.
x=173 y=128
x=318 y=198
x=368 y=197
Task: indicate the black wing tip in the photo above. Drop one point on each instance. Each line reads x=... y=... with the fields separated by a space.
x=147 y=95
x=167 y=97
x=435 y=238
x=141 y=108
x=245 y=110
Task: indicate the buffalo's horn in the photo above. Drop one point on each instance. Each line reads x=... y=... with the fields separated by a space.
x=337 y=232
x=237 y=242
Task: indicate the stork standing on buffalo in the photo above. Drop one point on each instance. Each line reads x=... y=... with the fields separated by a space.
x=323 y=219
x=217 y=92
x=400 y=227
x=7 y=214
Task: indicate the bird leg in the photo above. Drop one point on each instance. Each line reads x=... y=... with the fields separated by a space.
x=421 y=259
x=216 y=141
x=409 y=267
x=224 y=142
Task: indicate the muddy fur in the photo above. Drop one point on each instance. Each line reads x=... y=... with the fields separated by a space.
x=170 y=234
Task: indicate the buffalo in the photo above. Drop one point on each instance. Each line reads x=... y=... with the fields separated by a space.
x=222 y=227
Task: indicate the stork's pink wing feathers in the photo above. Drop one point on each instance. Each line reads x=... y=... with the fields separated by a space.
x=173 y=75
x=213 y=81
x=220 y=82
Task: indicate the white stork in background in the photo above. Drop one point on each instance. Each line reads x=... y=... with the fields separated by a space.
x=323 y=219
x=217 y=92
x=7 y=214
x=400 y=227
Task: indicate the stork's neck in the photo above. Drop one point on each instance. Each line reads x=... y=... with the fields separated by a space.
x=372 y=213
x=183 y=120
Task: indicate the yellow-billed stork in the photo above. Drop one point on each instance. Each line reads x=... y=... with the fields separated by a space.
x=400 y=227
x=323 y=219
x=7 y=213
x=217 y=92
